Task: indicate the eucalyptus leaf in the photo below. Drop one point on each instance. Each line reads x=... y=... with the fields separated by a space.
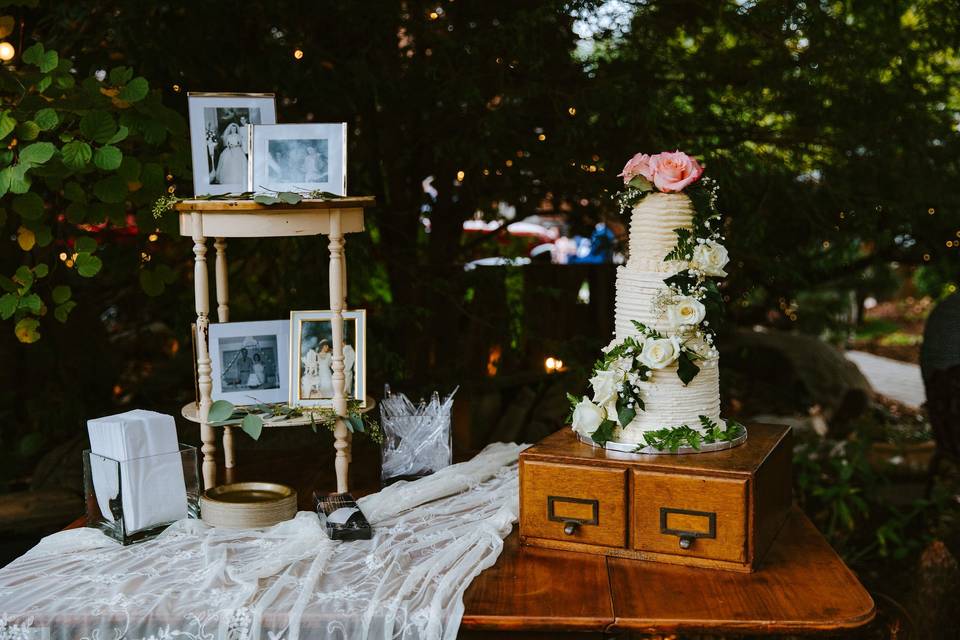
x=252 y=425
x=263 y=198
x=220 y=410
x=289 y=197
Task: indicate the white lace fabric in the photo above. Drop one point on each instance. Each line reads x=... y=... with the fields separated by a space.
x=287 y=582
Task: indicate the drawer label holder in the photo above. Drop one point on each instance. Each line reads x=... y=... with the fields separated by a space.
x=571 y=524
x=687 y=537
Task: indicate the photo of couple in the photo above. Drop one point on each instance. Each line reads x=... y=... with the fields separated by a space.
x=298 y=160
x=249 y=362
x=226 y=141
x=316 y=360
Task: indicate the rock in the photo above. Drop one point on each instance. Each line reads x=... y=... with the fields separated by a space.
x=785 y=373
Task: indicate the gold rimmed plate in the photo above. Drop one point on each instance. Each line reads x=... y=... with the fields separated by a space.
x=243 y=505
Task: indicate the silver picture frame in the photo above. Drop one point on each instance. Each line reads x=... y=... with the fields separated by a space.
x=298 y=157
x=311 y=374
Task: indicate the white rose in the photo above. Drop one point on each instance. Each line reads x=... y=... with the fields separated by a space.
x=587 y=417
x=686 y=311
x=605 y=385
x=710 y=258
x=659 y=352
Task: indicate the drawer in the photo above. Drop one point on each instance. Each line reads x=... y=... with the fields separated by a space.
x=689 y=515
x=573 y=503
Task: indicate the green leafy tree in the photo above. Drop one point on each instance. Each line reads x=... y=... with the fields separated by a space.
x=83 y=159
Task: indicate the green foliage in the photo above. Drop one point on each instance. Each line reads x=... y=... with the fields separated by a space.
x=848 y=499
x=673 y=438
x=85 y=138
x=252 y=418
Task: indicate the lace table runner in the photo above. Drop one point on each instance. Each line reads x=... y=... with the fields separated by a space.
x=288 y=582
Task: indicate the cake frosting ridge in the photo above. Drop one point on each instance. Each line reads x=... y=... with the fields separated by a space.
x=657 y=384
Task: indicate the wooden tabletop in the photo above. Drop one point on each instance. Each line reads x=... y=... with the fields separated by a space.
x=802 y=588
x=247 y=205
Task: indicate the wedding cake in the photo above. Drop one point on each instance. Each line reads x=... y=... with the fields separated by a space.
x=656 y=388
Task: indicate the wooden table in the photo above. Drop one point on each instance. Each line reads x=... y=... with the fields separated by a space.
x=802 y=588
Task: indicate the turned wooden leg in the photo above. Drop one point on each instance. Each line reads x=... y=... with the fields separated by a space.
x=340 y=432
x=205 y=382
x=229 y=458
x=220 y=269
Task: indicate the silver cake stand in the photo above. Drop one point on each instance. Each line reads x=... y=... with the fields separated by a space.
x=628 y=447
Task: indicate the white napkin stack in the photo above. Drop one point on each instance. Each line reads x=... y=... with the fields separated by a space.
x=151 y=479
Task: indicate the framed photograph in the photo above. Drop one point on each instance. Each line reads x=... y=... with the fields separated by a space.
x=311 y=357
x=298 y=157
x=219 y=139
x=250 y=361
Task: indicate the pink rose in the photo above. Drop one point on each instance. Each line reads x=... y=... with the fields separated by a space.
x=638 y=165
x=673 y=171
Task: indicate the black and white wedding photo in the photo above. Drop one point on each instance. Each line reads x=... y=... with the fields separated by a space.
x=249 y=361
x=220 y=138
x=227 y=142
x=312 y=356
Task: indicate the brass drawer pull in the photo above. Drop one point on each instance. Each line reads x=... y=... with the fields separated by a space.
x=687 y=538
x=570 y=525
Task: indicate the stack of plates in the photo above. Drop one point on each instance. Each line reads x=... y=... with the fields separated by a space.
x=246 y=505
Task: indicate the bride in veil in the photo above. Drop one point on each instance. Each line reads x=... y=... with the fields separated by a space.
x=232 y=167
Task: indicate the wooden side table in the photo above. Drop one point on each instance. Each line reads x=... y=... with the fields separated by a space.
x=222 y=219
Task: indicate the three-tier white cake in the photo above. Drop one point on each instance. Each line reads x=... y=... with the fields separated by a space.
x=657 y=386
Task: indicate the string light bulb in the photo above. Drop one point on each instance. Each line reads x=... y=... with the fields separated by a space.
x=460 y=175
x=298 y=54
x=7 y=51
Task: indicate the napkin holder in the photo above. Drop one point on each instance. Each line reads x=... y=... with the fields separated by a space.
x=162 y=499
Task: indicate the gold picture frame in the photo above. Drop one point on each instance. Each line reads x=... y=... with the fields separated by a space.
x=310 y=366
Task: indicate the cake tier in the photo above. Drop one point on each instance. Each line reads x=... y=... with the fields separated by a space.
x=636 y=291
x=652 y=226
x=670 y=404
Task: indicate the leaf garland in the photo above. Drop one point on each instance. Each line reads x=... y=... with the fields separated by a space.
x=252 y=418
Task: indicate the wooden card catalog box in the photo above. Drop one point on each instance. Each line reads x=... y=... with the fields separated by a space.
x=720 y=510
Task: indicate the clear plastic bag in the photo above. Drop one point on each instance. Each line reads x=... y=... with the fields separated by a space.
x=417 y=439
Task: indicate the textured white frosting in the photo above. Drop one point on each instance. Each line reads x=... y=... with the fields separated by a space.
x=668 y=403
x=636 y=291
x=652 y=226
